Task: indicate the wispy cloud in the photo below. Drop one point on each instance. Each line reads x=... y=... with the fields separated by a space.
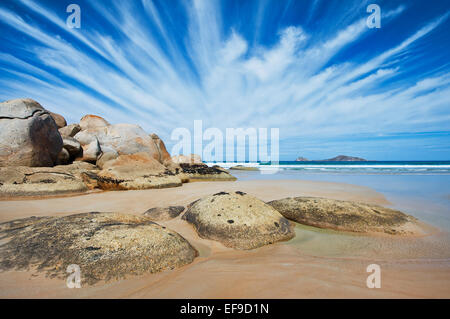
x=163 y=74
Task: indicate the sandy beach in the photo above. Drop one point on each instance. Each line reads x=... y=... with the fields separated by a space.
x=317 y=263
x=198 y=149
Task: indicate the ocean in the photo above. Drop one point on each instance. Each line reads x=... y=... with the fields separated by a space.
x=420 y=189
x=367 y=167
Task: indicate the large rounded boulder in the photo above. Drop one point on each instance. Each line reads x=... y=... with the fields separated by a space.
x=92 y=122
x=123 y=139
x=128 y=172
x=69 y=130
x=129 y=139
x=105 y=246
x=72 y=146
x=164 y=156
x=59 y=120
x=346 y=215
x=238 y=220
x=28 y=134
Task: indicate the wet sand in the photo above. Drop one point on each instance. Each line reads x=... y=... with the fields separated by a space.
x=316 y=264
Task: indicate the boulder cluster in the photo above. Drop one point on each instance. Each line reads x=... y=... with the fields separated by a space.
x=113 y=245
x=40 y=154
x=110 y=246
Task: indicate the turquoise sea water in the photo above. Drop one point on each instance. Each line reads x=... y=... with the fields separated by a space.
x=420 y=188
x=367 y=167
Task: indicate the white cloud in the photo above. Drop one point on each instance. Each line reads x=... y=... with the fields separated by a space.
x=235 y=83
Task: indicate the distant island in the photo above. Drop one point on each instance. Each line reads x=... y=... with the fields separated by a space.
x=339 y=158
x=345 y=158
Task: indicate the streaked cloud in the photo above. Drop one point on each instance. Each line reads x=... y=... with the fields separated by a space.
x=165 y=66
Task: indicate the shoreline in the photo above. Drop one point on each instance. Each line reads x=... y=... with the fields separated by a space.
x=119 y=201
x=316 y=263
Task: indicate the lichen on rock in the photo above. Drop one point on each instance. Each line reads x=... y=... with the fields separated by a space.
x=238 y=220
x=105 y=246
x=345 y=215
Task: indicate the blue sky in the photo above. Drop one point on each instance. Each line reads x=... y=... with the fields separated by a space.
x=311 y=68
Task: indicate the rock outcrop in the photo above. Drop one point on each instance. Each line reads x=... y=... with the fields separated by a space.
x=187 y=159
x=127 y=172
x=28 y=134
x=124 y=155
x=106 y=246
x=59 y=119
x=345 y=215
x=93 y=122
x=164 y=213
x=91 y=151
x=202 y=172
x=38 y=181
x=63 y=157
x=120 y=139
x=69 y=130
x=164 y=156
x=238 y=220
x=128 y=139
x=72 y=146
x=107 y=154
